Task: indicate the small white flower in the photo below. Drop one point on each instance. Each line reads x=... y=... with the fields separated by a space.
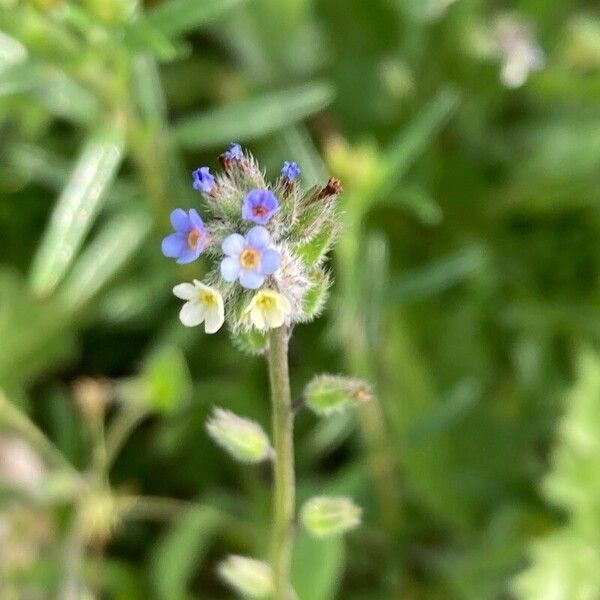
x=268 y=309
x=204 y=304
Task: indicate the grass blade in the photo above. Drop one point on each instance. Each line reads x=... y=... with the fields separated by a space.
x=434 y=278
x=403 y=151
x=251 y=119
x=180 y=16
x=76 y=209
x=104 y=257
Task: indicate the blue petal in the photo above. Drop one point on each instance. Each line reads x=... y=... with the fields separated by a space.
x=230 y=269
x=174 y=245
x=196 y=219
x=258 y=237
x=233 y=244
x=180 y=220
x=251 y=279
x=189 y=255
x=270 y=201
x=269 y=262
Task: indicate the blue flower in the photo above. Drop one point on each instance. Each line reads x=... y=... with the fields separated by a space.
x=203 y=179
x=249 y=259
x=234 y=152
x=189 y=238
x=290 y=170
x=259 y=206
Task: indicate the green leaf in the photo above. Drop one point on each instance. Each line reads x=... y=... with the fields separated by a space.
x=437 y=276
x=35 y=334
x=250 y=119
x=313 y=251
x=181 y=551
x=76 y=209
x=176 y=17
x=116 y=243
x=167 y=379
x=419 y=203
x=317 y=567
x=412 y=142
x=316 y=296
x=566 y=563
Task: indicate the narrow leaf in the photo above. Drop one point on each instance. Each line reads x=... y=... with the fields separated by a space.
x=76 y=209
x=177 y=17
x=104 y=257
x=180 y=551
x=254 y=118
x=403 y=151
x=437 y=276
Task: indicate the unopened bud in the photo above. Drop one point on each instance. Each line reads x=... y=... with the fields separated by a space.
x=333 y=188
x=244 y=439
x=326 y=394
x=98 y=516
x=251 y=578
x=324 y=516
x=92 y=396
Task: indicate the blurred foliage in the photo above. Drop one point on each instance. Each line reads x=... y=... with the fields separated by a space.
x=466 y=289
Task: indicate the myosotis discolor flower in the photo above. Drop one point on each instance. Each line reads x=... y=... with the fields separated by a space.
x=266 y=247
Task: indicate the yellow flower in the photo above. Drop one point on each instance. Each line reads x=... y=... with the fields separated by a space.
x=268 y=309
x=204 y=304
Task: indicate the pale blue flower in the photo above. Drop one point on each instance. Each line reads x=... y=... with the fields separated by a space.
x=259 y=206
x=249 y=258
x=290 y=170
x=235 y=151
x=204 y=180
x=189 y=238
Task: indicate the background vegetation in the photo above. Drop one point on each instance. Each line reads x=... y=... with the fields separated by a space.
x=466 y=290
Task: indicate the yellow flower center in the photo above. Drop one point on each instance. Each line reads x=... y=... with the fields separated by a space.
x=249 y=258
x=265 y=301
x=207 y=297
x=193 y=238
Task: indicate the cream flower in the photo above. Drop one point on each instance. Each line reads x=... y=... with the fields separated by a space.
x=268 y=309
x=204 y=304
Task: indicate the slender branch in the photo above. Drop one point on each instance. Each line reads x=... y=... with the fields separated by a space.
x=120 y=431
x=17 y=420
x=283 y=466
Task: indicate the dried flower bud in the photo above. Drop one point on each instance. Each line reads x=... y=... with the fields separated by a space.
x=251 y=578
x=324 y=516
x=92 y=396
x=245 y=440
x=327 y=394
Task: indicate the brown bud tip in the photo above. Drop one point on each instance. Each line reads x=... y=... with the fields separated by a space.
x=363 y=395
x=333 y=188
x=225 y=162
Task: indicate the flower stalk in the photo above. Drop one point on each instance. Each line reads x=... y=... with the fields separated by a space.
x=284 y=490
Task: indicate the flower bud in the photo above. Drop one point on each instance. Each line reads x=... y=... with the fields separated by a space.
x=98 y=516
x=327 y=394
x=324 y=516
x=245 y=440
x=92 y=396
x=251 y=578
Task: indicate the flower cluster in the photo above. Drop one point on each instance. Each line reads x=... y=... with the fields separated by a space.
x=266 y=245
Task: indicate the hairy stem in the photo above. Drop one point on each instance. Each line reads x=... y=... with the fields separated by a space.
x=283 y=469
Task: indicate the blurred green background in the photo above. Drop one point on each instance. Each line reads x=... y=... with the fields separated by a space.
x=467 y=137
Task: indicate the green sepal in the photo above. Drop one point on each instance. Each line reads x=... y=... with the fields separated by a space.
x=327 y=394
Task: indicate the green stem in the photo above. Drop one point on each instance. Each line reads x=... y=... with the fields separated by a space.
x=283 y=469
x=11 y=416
